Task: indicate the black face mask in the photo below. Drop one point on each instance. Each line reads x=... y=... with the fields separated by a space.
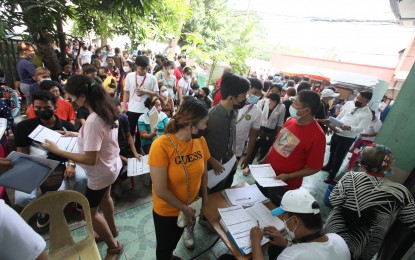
x=199 y=134
x=240 y=104
x=182 y=64
x=274 y=96
x=44 y=114
x=358 y=104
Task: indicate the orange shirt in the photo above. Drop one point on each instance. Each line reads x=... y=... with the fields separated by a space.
x=64 y=110
x=163 y=154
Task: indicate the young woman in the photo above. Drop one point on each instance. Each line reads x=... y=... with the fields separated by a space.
x=99 y=154
x=25 y=68
x=167 y=103
x=172 y=190
x=184 y=84
x=146 y=133
x=128 y=67
x=166 y=78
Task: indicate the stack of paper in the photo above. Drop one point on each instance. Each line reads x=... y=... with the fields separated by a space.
x=238 y=223
x=28 y=172
x=246 y=196
x=214 y=179
x=138 y=167
x=265 y=175
x=41 y=133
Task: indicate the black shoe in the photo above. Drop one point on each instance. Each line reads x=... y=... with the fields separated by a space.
x=42 y=219
x=329 y=180
x=326 y=168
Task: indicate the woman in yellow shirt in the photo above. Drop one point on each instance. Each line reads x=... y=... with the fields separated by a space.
x=173 y=188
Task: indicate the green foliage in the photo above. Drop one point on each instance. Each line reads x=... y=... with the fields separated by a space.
x=155 y=19
x=217 y=33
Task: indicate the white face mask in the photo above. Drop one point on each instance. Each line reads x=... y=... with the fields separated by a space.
x=171 y=72
x=44 y=79
x=126 y=68
x=290 y=236
x=164 y=94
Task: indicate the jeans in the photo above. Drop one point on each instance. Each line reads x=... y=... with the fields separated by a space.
x=338 y=150
x=80 y=182
x=25 y=89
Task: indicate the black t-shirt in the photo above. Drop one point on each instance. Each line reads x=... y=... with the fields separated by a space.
x=287 y=103
x=322 y=113
x=26 y=127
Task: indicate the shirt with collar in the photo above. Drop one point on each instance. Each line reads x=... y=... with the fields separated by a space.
x=357 y=118
x=221 y=132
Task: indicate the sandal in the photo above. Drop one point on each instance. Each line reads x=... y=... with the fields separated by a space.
x=116 y=251
x=114 y=234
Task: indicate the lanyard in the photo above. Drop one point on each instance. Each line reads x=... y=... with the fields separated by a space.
x=142 y=82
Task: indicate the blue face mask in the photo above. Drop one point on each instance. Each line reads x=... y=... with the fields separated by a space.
x=253 y=99
x=390 y=172
x=293 y=113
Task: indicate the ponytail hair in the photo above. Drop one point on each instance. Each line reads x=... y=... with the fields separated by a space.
x=191 y=111
x=96 y=97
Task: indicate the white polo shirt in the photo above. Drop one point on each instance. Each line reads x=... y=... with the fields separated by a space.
x=251 y=120
x=357 y=118
x=133 y=81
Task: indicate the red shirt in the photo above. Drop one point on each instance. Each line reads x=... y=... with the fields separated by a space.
x=218 y=95
x=178 y=72
x=64 y=110
x=297 y=147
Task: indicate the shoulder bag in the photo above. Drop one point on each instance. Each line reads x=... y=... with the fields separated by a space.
x=197 y=204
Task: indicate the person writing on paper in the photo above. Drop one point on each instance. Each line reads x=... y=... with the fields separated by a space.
x=176 y=183
x=147 y=134
x=298 y=150
x=303 y=225
x=98 y=154
x=44 y=105
x=221 y=131
x=367 y=203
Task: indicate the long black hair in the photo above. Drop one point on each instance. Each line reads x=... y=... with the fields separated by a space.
x=96 y=97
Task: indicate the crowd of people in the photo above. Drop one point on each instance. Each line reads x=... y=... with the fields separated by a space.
x=108 y=103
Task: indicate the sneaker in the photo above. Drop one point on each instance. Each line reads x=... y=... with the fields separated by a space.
x=188 y=238
x=42 y=219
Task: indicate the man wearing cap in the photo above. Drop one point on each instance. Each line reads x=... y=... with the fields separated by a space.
x=327 y=98
x=138 y=87
x=303 y=238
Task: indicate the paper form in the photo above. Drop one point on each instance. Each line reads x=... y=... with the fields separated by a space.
x=41 y=133
x=245 y=196
x=3 y=126
x=214 y=179
x=265 y=175
x=138 y=167
x=335 y=122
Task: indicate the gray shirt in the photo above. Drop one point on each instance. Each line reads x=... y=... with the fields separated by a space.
x=221 y=132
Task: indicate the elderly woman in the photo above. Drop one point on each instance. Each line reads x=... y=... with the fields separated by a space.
x=366 y=204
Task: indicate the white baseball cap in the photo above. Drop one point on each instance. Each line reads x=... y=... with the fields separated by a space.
x=296 y=201
x=329 y=93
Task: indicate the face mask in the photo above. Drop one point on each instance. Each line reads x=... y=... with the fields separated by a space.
x=331 y=102
x=44 y=114
x=240 y=104
x=44 y=79
x=164 y=94
x=30 y=56
x=390 y=172
x=199 y=133
x=273 y=96
x=290 y=236
x=182 y=64
x=293 y=113
x=171 y=72
x=126 y=69
x=253 y=99
x=358 y=104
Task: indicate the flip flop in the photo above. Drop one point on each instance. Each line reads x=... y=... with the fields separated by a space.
x=116 y=251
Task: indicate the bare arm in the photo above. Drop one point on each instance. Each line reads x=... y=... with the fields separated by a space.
x=130 y=142
x=145 y=135
x=125 y=98
x=88 y=158
x=203 y=186
x=298 y=174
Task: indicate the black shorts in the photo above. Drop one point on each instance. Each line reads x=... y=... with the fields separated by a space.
x=95 y=197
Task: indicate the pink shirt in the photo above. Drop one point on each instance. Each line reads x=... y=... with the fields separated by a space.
x=96 y=135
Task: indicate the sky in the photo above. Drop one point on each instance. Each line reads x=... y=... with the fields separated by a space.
x=314 y=27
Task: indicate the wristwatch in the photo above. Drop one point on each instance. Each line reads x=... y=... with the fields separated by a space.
x=72 y=164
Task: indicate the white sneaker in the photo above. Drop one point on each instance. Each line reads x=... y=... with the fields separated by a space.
x=188 y=238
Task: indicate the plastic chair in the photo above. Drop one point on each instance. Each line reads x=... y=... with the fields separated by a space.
x=62 y=245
